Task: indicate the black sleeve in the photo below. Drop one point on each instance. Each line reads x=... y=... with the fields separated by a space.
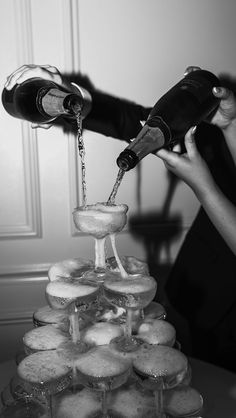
x=115 y=117
x=110 y=116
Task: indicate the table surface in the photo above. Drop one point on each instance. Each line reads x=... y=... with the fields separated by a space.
x=216 y=385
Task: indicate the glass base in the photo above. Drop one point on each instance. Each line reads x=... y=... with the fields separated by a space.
x=108 y=414
x=23 y=408
x=126 y=344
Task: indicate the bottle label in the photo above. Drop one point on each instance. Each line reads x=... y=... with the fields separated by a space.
x=159 y=124
x=149 y=139
x=52 y=101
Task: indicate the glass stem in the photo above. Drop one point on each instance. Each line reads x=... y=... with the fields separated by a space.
x=128 y=323
x=74 y=377
x=104 y=404
x=74 y=323
x=49 y=405
x=159 y=399
x=100 y=254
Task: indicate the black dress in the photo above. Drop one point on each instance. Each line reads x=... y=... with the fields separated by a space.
x=202 y=283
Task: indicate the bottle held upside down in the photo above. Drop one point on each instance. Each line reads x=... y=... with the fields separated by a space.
x=186 y=104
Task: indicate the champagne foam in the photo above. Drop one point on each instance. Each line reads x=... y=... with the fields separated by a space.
x=160 y=360
x=47 y=337
x=49 y=315
x=69 y=268
x=131 y=285
x=101 y=362
x=157 y=331
x=183 y=400
x=104 y=208
x=80 y=404
x=70 y=290
x=132 y=403
x=42 y=367
x=102 y=333
x=100 y=219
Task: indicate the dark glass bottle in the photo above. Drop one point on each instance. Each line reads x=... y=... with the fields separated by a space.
x=40 y=101
x=186 y=104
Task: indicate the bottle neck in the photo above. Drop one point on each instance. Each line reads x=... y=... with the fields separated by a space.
x=149 y=140
x=55 y=102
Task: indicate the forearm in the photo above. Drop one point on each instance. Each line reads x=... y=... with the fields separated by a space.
x=115 y=117
x=230 y=138
x=221 y=211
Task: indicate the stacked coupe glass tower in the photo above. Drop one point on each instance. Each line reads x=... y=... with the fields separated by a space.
x=101 y=347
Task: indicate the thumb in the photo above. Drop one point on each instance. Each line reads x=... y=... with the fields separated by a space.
x=41 y=125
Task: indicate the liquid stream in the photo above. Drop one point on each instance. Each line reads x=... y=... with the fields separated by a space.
x=99 y=244
x=81 y=149
x=120 y=175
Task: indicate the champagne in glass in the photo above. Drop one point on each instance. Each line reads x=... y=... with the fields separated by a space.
x=183 y=401
x=72 y=294
x=160 y=367
x=43 y=374
x=23 y=408
x=102 y=370
x=133 y=292
x=100 y=220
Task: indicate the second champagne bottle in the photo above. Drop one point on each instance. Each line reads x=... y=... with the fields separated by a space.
x=186 y=104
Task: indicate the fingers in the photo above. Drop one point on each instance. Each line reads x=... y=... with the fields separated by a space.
x=170 y=158
x=222 y=92
x=25 y=72
x=41 y=125
x=190 y=69
x=190 y=143
x=177 y=148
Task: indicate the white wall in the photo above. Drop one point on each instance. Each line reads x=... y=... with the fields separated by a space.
x=130 y=48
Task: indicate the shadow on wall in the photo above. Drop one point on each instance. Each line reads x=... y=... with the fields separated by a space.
x=157 y=230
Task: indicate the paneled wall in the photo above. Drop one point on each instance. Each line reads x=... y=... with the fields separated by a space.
x=133 y=49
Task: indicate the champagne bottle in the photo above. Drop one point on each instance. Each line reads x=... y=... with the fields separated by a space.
x=186 y=104
x=41 y=101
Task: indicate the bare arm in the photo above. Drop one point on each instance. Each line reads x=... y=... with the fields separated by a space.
x=193 y=170
x=225 y=117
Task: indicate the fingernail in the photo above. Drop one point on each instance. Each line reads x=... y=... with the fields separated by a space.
x=216 y=89
x=193 y=130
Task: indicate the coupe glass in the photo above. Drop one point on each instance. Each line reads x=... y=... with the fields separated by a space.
x=183 y=401
x=42 y=375
x=131 y=293
x=23 y=408
x=72 y=294
x=100 y=220
x=101 y=370
x=160 y=367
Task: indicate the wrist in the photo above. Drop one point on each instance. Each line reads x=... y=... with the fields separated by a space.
x=87 y=99
x=204 y=189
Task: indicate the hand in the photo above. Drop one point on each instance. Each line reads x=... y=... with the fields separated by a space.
x=226 y=113
x=190 y=166
x=25 y=72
